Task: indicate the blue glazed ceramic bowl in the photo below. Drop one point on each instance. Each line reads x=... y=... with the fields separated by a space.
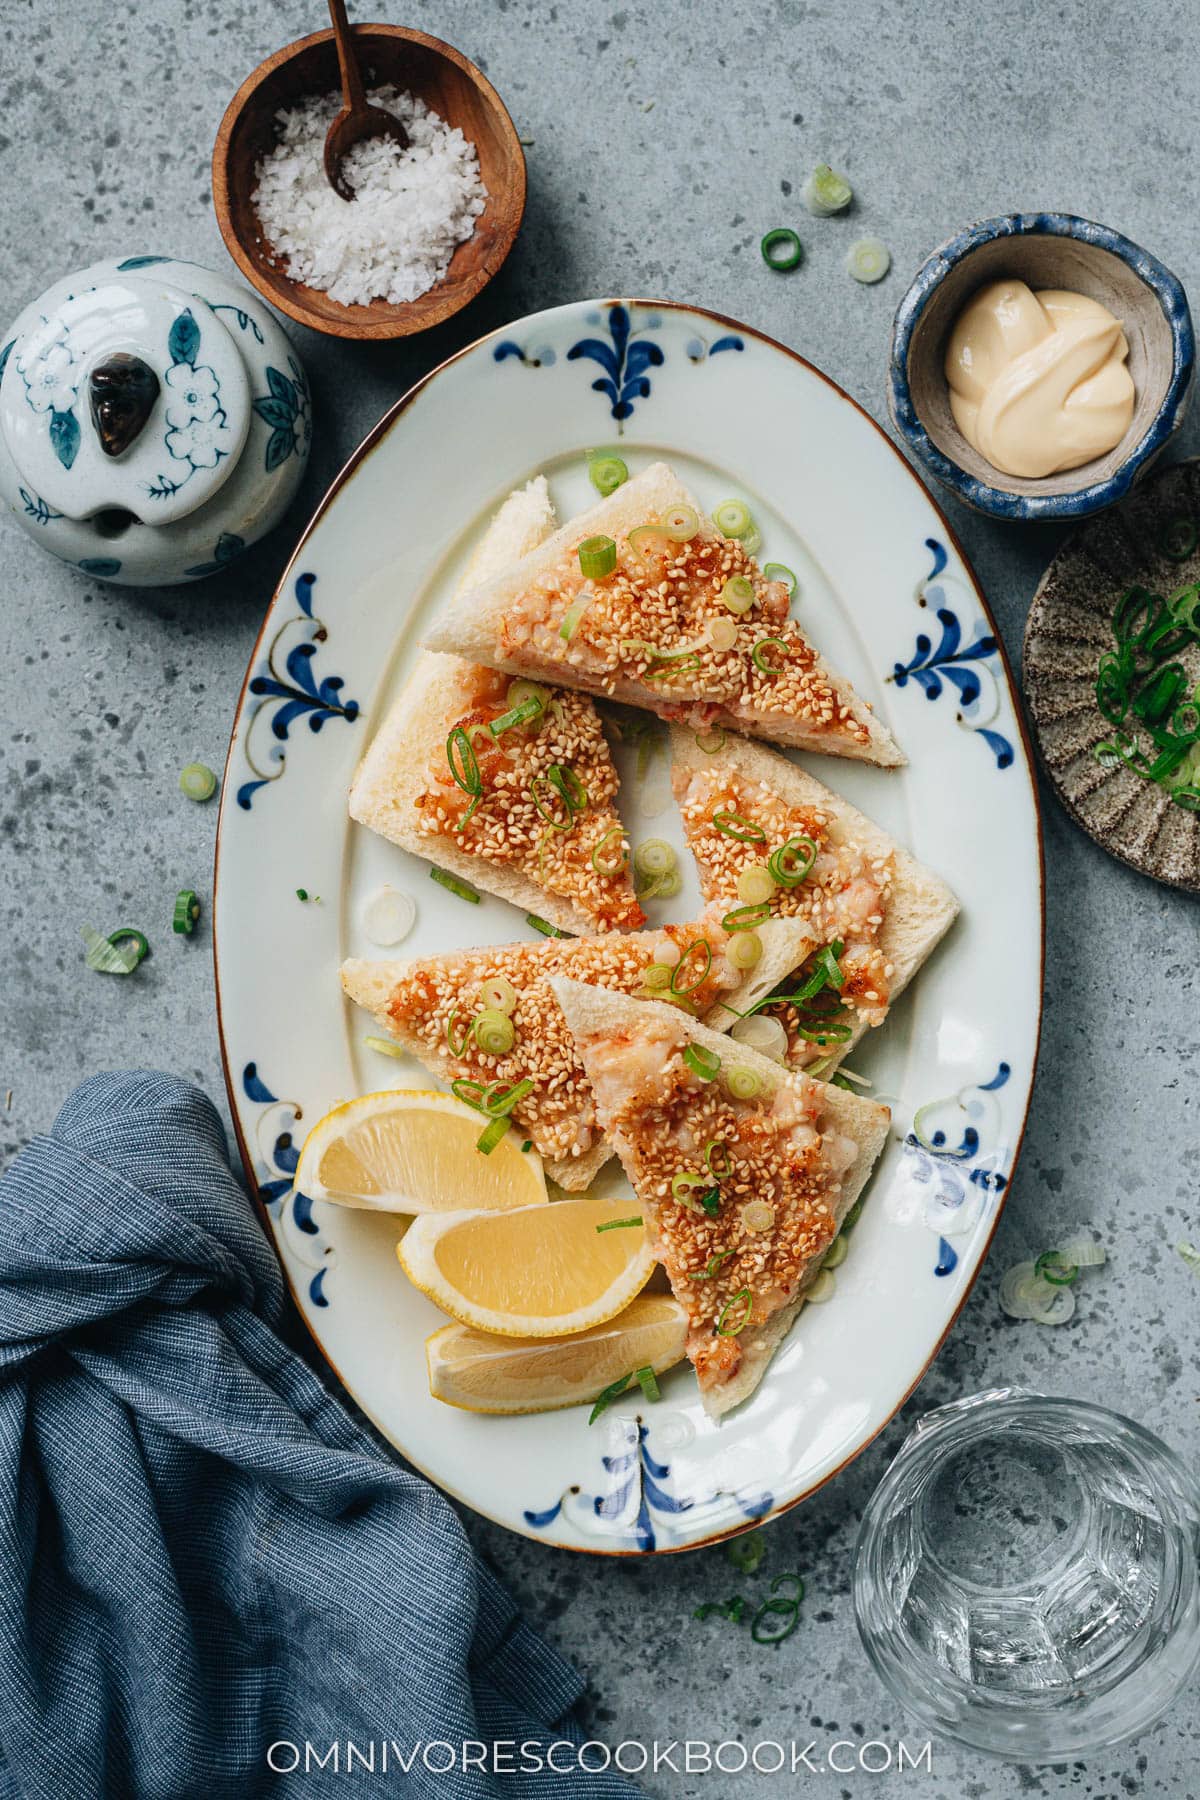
x=1045 y=250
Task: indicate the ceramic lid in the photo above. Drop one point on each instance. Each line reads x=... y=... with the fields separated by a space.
x=131 y=395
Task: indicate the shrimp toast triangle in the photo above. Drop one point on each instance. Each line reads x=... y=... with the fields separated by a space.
x=744 y=1172
x=685 y=624
x=543 y=831
x=744 y=805
x=429 y=1005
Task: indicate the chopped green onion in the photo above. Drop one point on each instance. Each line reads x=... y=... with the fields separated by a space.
x=681 y=523
x=745 y=950
x=743 y=1083
x=462 y=889
x=567 y=784
x=106 y=957
x=717 y=1159
x=597 y=557
x=774 y=571
x=621 y=1224
x=521 y=690
x=1053 y=1267
x=703 y=1063
x=302 y=895
x=657 y=975
x=738 y=594
x=129 y=934
x=607 y=1395
x=704 y=948
x=709 y=1272
x=821 y=1288
x=494 y=1032
x=778 y=1606
x=732 y=518
x=459 y=1049
x=465 y=770
x=868 y=260
x=743 y=1299
x=682 y=1185
x=647 y=1380
x=648 y=540
x=758 y=654
x=836 y=1254
x=197 y=782
x=782 y=249
x=752 y=541
x=1188 y=1254
x=731 y=1609
x=187 y=911
x=654 y=856
x=746 y=918
x=607 y=474
x=491 y=1135
x=734 y=825
x=711 y=1201
x=385 y=1046
x=527 y=1145
x=722 y=635
x=615 y=861
x=746 y=1552
x=499 y=1101
x=516 y=715
x=556 y=822
x=793 y=861
x=712 y=741
x=677 y=662
x=1178 y=539
x=571 y=618
x=498 y=994
x=469 y=1092
x=825 y=193
x=1084 y=1251
x=755 y=884
x=662 y=887
x=545 y=927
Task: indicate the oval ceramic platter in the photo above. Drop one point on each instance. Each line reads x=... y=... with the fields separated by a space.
x=886 y=595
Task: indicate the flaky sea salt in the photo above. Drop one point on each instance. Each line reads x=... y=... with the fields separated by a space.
x=411 y=208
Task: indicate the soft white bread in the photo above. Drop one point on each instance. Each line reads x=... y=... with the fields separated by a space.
x=593 y=1012
x=472 y=625
x=921 y=907
x=373 y=985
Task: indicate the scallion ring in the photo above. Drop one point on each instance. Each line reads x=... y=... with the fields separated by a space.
x=571 y=618
x=745 y=950
x=105 y=957
x=699 y=953
x=682 y=1185
x=563 y=821
x=717 y=1159
x=868 y=260
x=607 y=474
x=674 y=662
x=139 y=942
x=741 y=1306
x=774 y=571
x=464 y=767
x=469 y=1092
x=1054 y=1267
x=746 y=918
x=756 y=884
x=681 y=523
x=825 y=193
x=187 y=911
x=704 y=1063
x=782 y=249
x=197 y=782
x=654 y=856
x=744 y=1083
x=712 y=741
x=738 y=594
x=498 y=994
x=621 y=1224
x=610 y=862
x=1178 y=539
x=545 y=927
x=566 y=782
x=494 y=1032
x=491 y=1135
x=793 y=861
x=732 y=518
x=458 y=1048
x=709 y=1272
x=758 y=656
x=523 y=714
x=657 y=976
x=597 y=557
x=736 y=825
x=461 y=889
x=499 y=1101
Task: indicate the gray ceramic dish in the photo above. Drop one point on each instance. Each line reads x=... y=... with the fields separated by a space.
x=1046 y=250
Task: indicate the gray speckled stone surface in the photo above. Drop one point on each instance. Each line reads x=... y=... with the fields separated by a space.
x=667 y=137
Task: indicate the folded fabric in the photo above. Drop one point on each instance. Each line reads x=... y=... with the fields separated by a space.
x=204 y=1555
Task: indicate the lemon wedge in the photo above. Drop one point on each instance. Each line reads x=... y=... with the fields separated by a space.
x=412 y=1150
x=485 y=1374
x=539 y=1271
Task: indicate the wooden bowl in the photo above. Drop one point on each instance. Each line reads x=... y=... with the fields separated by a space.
x=453 y=88
x=1046 y=250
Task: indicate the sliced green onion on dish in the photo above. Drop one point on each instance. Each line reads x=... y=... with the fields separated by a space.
x=606 y=1396
x=717 y=1159
x=1024 y=1294
x=782 y=249
x=681 y=523
x=597 y=557
x=461 y=889
x=674 y=662
x=1189 y=1255
x=458 y=1048
x=522 y=714
x=521 y=690
x=657 y=976
x=699 y=954
x=1178 y=539
x=137 y=940
x=709 y=1272
x=187 y=911
x=469 y=1092
x=746 y=1552
x=648 y=542
x=710 y=1201
x=385 y=1046
x=545 y=927
x=738 y=594
x=822 y=1288
x=647 y=1380
x=751 y=541
x=491 y=1135
x=197 y=782
x=868 y=260
x=702 y=1062
x=1053 y=1267
x=654 y=856
x=826 y=193
x=736 y=825
x=662 y=887
x=758 y=656
x=836 y=1254
x=564 y=821
x=571 y=618
x=607 y=474
x=565 y=781
x=745 y=950
x=498 y=994
x=494 y=1032
x=682 y=1185
x=732 y=518
x=744 y=1083
x=735 y=1314
x=612 y=860
x=499 y=1101
x=621 y=1224
x=464 y=767
x=106 y=957
x=793 y=861
x=721 y=635
x=774 y=571
x=755 y=884
x=1083 y=1250
x=746 y=918
x=767 y=1036
x=712 y=741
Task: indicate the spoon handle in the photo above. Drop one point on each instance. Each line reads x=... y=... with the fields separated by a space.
x=353 y=95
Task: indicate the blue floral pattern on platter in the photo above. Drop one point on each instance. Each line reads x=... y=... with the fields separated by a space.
x=274 y=1175
x=959 y=1178
x=964 y=668
x=637 y=1508
x=291 y=692
x=624 y=360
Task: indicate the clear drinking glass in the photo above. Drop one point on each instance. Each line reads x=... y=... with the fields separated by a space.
x=1026 y=1579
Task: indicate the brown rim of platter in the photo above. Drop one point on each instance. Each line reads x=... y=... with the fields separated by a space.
x=1151 y=541
x=353 y=463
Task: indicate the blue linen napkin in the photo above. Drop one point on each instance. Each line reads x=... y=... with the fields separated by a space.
x=203 y=1554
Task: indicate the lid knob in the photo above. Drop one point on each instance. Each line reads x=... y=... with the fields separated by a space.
x=121 y=394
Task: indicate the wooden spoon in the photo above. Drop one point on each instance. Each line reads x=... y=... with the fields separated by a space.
x=358 y=119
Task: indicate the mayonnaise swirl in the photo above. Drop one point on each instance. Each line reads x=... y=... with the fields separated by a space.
x=1038 y=382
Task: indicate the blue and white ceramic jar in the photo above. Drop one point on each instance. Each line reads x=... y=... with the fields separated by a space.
x=154 y=420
